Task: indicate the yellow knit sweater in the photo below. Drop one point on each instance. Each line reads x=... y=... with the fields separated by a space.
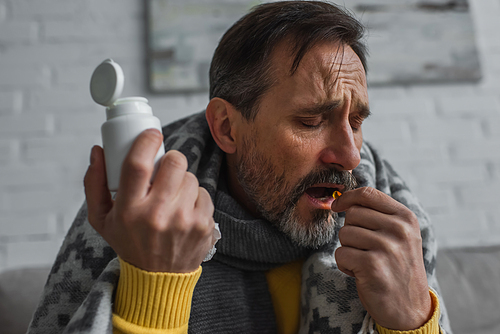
x=161 y=302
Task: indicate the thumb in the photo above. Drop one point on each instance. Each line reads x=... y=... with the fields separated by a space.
x=337 y=205
x=99 y=201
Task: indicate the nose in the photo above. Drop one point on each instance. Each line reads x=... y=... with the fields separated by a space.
x=342 y=147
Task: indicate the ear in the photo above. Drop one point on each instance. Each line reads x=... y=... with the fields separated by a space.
x=220 y=116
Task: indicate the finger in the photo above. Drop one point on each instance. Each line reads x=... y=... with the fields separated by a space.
x=342 y=259
x=170 y=174
x=97 y=194
x=189 y=191
x=204 y=202
x=367 y=218
x=205 y=207
x=360 y=238
x=138 y=166
x=367 y=197
x=350 y=260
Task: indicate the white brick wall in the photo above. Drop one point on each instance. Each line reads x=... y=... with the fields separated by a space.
x=452 y=157
x=443 y=139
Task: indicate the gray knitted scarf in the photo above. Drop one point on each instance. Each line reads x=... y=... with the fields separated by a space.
x=232 y=294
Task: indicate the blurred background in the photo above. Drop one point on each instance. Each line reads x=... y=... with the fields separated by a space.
x=442 y=137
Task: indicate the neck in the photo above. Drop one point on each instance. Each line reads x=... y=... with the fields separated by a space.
x=235 y=188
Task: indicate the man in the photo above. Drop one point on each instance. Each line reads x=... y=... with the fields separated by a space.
x=282 y=131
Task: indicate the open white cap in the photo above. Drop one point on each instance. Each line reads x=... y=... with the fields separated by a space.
x=106 y=84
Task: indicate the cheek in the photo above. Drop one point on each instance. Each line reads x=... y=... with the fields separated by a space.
x=297 y=155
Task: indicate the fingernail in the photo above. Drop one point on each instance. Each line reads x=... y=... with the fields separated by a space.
x=334 y=204
x=154 y=131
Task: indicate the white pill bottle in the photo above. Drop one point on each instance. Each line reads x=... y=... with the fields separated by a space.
x=126 y=118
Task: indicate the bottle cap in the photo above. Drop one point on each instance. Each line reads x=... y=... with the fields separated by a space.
x=106 y=84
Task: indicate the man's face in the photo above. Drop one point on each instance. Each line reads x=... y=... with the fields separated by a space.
x=304 y=141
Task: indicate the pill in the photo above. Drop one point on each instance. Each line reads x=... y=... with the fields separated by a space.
x=336 y=194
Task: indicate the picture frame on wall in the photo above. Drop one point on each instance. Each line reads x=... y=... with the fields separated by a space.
x=183 y=35
x=410 y=41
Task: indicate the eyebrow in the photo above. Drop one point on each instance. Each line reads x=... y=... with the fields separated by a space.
x=320 y=109
x=362 y=109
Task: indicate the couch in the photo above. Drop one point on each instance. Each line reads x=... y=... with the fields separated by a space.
x=469 y=279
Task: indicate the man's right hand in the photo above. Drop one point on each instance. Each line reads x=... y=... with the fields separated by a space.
x=165 y=226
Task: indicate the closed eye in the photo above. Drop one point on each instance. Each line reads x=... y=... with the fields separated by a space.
x=357 y=121
x=311 y=123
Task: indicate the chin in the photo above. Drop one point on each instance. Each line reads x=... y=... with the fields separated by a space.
x=313 y=231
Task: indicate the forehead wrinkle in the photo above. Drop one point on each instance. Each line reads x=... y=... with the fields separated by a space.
x=335 y=66
x=328 y=74
x=340 y=70
x=349 y=80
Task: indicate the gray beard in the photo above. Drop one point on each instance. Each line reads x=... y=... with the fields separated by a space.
x=313 y=234
x=267 y=189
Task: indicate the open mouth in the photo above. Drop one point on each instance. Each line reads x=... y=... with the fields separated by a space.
x=322 y=193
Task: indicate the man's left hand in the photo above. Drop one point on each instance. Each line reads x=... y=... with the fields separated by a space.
x=382 y=249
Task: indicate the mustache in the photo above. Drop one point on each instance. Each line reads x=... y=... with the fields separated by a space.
x=330 y=175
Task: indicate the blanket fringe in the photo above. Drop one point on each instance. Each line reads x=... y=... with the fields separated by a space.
x=368 y=326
